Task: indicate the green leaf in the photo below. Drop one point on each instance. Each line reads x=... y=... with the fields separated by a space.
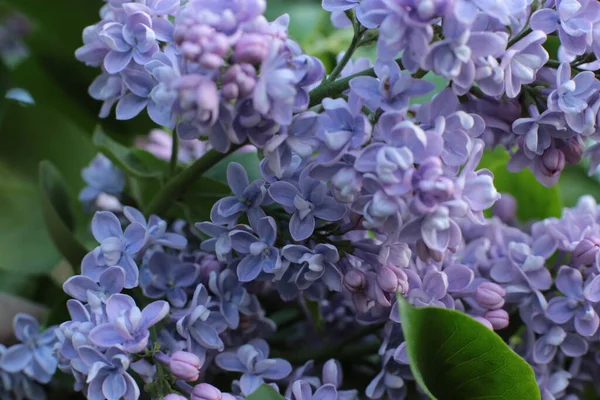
x=265 y=392
x=452 y=356
x=134 y=161
x=198 y=200
x=248 y=159
x=58 y=215
x=534 y=200
x=574 y=182
x=551 y=45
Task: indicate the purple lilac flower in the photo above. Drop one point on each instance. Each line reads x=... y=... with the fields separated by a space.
x=253 y=361
x=578 y=301
x=156 y=229
x=101 y=176
x=572 y=18
x=305 y=203
x=391 y=90
x=86 y=290
x=260 y=253
x=249 y=197
x=127 y=326
x=171 y=278
x=553 y=337
x=107 y=374
x=34 y=356
x=232 y=297
x=116 y=248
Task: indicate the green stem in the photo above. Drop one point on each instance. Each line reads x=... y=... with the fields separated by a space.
x=174 y=155
x=358 y=34
x=526 y=31
x=177 y=186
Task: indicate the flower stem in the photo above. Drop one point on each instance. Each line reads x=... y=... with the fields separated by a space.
x=358 y=34
x=177 y=186
x=174 y=155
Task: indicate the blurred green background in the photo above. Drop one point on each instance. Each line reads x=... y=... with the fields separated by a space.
x=59 y=127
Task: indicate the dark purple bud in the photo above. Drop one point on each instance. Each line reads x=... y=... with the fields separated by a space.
x=498 y=319
x=185 y=366
x=585 y=251
x=552 y=162
x=392 y=279
x=572 y=150
x=505 y=208
x=204 y=391
x=425 y=253
x=490 y=295
x=355 y=280
x=239 y=81
x=252 y=48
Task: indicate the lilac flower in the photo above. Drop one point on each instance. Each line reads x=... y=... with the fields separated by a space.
x=198 y=103
x=572 y=18
x=538 y=130
x=107 y=374
x=571 y=95
x=156 y=229
x=127 y=326
x=521 y=62
x=248 y=198
x=318 y=264
x=466 y=10
x=109 y=89
x=453 y=57
x=391 y=90
x=345 y=128
x=306 y=203
x=164 y=68
x=578 y=301
x=116 y=248
x=219 y=243
x=261 y=255
x=253 y=361
x=200 y=326
x=299 y=138
x=432 y=290
x=339 y=5
x=134 y=39
x=303 y=391
x=232 y=296
x=170 y=278
x=554 y=337
x=101 y=176
x=35 y=354
x=84 y=289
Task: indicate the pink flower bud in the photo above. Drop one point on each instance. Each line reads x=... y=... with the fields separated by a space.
x=505 y=208
x=585 y=251
x=204 y=391
x=252 y=48
x=485 y=322
x=355 y=280
x=498 y=319
x=185 y=366
x=174 y=397
x=490 y=295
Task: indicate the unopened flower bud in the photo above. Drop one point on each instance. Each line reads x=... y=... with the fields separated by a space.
x=572 y=150
x=585 y=251
x=174 y=397
x=204 y=391
x=185 y=366
x=332 y=373
x=238 y=81
x=505 y=208
x=392 y=279
x=355 y=280
x=252 y=48
x=485 y=322
x=552 y=162
x=498 y=319
x=490 y=295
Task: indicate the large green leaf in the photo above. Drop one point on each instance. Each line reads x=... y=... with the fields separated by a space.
x=58 y=215
x=265 y=392
x=453 y=356
x=574 y=182
x=534 y=200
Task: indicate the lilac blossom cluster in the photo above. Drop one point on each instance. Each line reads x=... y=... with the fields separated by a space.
x=365 y=193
